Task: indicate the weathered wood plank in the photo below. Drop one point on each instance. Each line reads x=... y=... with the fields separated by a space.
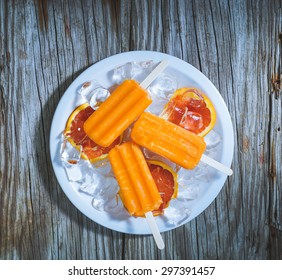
x=275 y=139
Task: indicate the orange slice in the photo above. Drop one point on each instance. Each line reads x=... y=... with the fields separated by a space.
x=192 y=110
x=78 y=138
x=166 y=181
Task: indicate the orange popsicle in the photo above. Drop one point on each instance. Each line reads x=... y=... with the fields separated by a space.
x=138 y=190
x=114 y=115
x=168 y=140
x=123 y=106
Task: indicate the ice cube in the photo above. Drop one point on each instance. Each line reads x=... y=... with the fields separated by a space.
x=103 y=169
x=140 y=70
x=177 y=212
x=114 y=206
x=93 y=93
x=188 y=184
x=73 y=172
x=201 y=173
x=157 y=105
x=188 y=192
x=160 y=91
x=91 y=182
x=191 y=120
x=105 y=194
x=212 y=139
x=163 y=86
x=71 y=160
x=110 y=188
x=69 y=154
x=185 y=177
x=132 y=70
x=98 y=203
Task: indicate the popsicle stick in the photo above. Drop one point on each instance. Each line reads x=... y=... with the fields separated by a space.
x=217 y=165
x=153 y=75
x=155 y=230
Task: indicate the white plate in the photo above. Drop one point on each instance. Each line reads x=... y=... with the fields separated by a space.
x=187 y=75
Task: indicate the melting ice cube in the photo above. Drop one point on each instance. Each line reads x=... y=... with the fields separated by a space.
x=105 y=195
x=93 y=93
x=212 y=139
x=114 y=206
x=104 y=168
x=73 y=173
x=70 y=158
x=187 y=192
x=177 y=212
x=201 y=173
x=91 y=183
x=96 y=183
x=163 y=85
x=69 y=154
x=132 y=70
x=157 y=105
x=110 y=188
x=160 y=91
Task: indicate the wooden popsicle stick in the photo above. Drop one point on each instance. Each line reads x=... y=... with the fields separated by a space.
x=155 y=230
x=217 y=165
x=153 y=75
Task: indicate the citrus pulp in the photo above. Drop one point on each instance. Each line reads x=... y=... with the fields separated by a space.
x=166 y=181
x=192 y=110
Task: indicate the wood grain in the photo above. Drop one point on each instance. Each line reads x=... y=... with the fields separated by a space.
x=44 y=45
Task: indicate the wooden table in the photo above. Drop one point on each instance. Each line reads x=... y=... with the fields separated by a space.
x=44 y=45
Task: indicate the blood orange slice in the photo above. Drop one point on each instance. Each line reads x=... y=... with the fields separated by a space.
x=78 y=138
x=166 y=181
x=192 y=110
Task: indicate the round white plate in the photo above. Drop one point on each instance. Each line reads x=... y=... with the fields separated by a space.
x=187 y=76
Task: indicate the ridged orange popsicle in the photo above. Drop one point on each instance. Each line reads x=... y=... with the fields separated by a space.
x=138 y=190
x=168 y=140
x=116 y=114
